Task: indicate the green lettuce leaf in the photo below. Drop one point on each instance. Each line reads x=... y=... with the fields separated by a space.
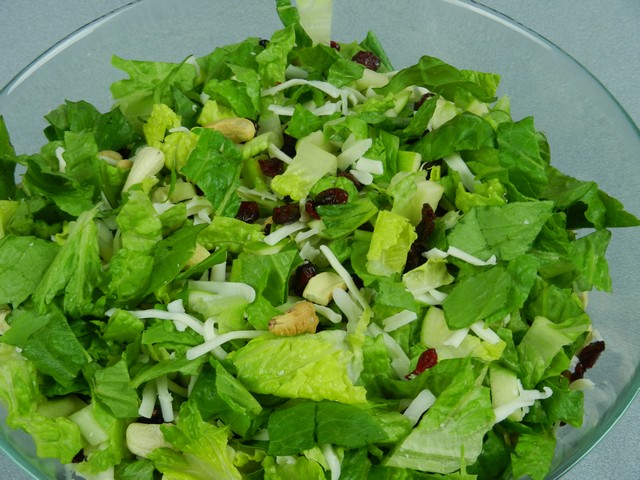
x=313 y=366
x=54 y=437
x=506 y=231
x=533 y=455
x=214 y=166
x=7 y=163
x=201 y=451
x=76 y=270
x=273 y=60
x=450 y=434
x=392 y=238
x=219 y=394
x=148 y=83
x=23 y=261
x=110 y=387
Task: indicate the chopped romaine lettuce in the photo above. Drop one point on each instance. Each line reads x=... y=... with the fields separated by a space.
x=381 y=276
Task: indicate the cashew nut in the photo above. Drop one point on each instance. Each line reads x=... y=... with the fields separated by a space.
x=124 y=164
x=238 y=130
x=320 y=287
x=301 y=318
x=110 y=154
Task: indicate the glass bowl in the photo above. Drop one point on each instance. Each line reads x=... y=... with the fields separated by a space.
x=591 y=136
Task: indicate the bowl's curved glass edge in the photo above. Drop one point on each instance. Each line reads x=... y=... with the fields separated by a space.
x=532 y=33
x=61 y=45
x=633 y=388
x=28 y=465
x=629 y=393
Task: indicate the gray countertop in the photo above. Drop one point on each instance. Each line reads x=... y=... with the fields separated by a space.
x=602 y=36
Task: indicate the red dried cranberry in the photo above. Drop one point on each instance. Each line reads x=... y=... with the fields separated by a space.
x=311 y=211
x=590 y=354
x=79 y=457
x=271 y=167
x=424 y=98
x=414 y=257
x=331 y=196
x=304 y=273
x=368 y=59
x=353 y=179
x=249 y=212
x=156 y=417
x=289 y=145
x=286 y=214
x=424 y=229
x=334 y=45
x=578 y=373
x=427 y=359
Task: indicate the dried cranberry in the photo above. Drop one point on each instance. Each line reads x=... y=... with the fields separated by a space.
x=125 y=152
x=424 y=229
x=424 y=98
x=289 y=144
x=311 y=211
x=353 y=179
x=414 y=257
x=368 y=59
x=334 y=45
x=263 y=42
x=79 y=457
x=427 y=359
x=578 y=373
x=304 y=273
x=286 y=214
x=331 y=196
x=156 y=417
x=249 y=212
x=271 y=167
x=590 y=354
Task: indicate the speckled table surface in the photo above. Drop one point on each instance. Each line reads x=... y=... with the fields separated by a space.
x=602 y=36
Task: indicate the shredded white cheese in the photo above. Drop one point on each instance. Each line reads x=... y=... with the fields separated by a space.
x=456 y=337
x=398 y=320
x=346 y=277
x=226 y=289
x=351 y=152
x=399 y=360
x=165 y=398
x=283 y=232
x=326 y=87
x=219 y=272
x=455 y=162
x=461 y=255
x=524 y=401
x=485 y=333
x=219 y=340
x=252 y=193
x=148 y=403
x=62 y=164
x=327 y=313
x=346 y=304
x=374 y=167
x=181 y=320
x=282 y=110
x=308 y=252
x=365 y=178
x=279 y=154
x=419 y=405
x=332 y=460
